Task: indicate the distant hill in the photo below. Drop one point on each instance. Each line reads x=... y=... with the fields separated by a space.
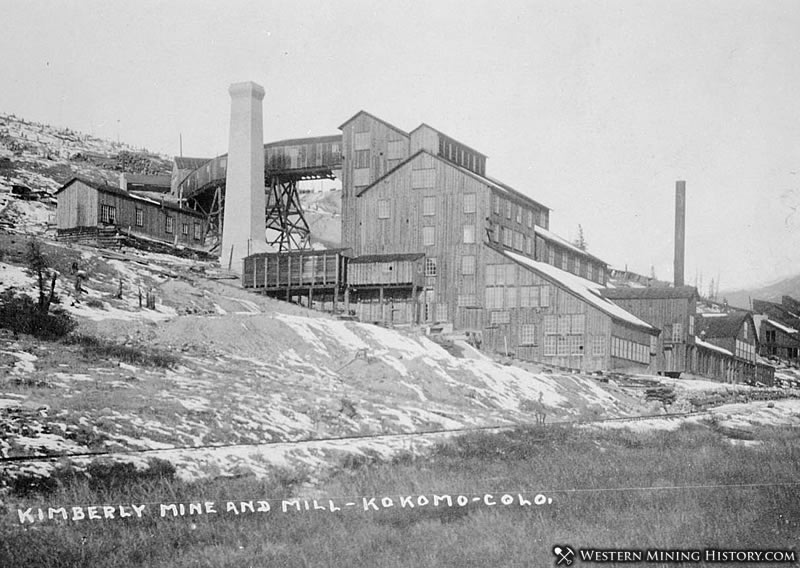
x=772 y=292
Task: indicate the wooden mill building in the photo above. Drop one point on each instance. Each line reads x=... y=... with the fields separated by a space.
x=88 y=210
x=673 y=310
x=487 y=263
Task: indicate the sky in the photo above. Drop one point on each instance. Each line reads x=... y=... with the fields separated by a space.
x=593 y=108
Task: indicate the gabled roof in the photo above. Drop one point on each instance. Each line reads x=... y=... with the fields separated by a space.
x=727 y=325
x=550 y=236
x=184 y=163
x=372 y=116
x=110 y=189
x=306 y=140
x=483 y=179
x=471 y=149
x=586 y=290
x=652 y=293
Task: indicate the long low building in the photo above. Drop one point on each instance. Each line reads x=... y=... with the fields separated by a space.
x=90 y=210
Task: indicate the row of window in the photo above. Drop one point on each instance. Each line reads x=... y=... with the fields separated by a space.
x=513 y=239
x=500 y=297
x=565 y=324
x=519 y=213
x=460 y=155
x=630 y=350
x=108 y=215
x=428 y=206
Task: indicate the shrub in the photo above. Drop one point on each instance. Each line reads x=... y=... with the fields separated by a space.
x=21 y=314
x=96 y=348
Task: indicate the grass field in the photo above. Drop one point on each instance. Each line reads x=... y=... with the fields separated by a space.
x=689 y=488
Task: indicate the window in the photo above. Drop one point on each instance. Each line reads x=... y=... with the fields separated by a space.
x=598 y=346
x=527 y=334
x=383 y=209
x=170 y=224
x=497 y=233
x=361 y=177
x=441 y=312
x=428 y=234
x=468 y=264
x=108 y=214
x=744 y=330
x=529 y=246
x=498 y=317
x=511 y=297
x=508 y=234
x=469 y=234
x=550 y=342
x=362 y=141
x=494 y=298
x=564 y=256
x=395 y=150
x=139 y=217
x=469 y=203
x=677 y=332
x=575 y=343
x=551 y=256
x=691 y=325
x=518 y=240
x=428 y=205
x=508 y=210
x=550 y=324
x=467 y=301
x=544 y=299
x=496 y=203
x=519 y=214
x=589 y=275
x=578 y=323
x=430 y=267
x=563 y=325
x=185 y=229
x=361 y=159
x=197 y=230
x=423 y=179
x=563 y=346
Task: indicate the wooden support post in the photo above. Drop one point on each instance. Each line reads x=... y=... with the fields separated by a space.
x=380 y=302
x=335 y=297
x=414 y=305
x=311 y=297
x=347 y=300
x=289 y=279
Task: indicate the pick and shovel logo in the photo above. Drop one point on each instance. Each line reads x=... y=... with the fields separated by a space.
x=564 y=555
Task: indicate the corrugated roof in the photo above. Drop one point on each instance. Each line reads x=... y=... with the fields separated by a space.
x=585 y=289
x=369 y=258
x=727 y=325
x=651 y=293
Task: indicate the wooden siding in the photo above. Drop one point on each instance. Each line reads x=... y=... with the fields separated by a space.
x=402 y=232
x=664 y=313
x=77 y=207
x=294 y=269
x=80 y=205
x=380 y=135
x=391 y=273
x=424 y=138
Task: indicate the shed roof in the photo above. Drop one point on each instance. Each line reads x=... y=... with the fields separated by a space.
x=550 y=236
x=710 y=346
x=587 y=290
x=780 y=326
x=470 y=148
x=370 y=258
x=651 y=293
x=185 y=163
